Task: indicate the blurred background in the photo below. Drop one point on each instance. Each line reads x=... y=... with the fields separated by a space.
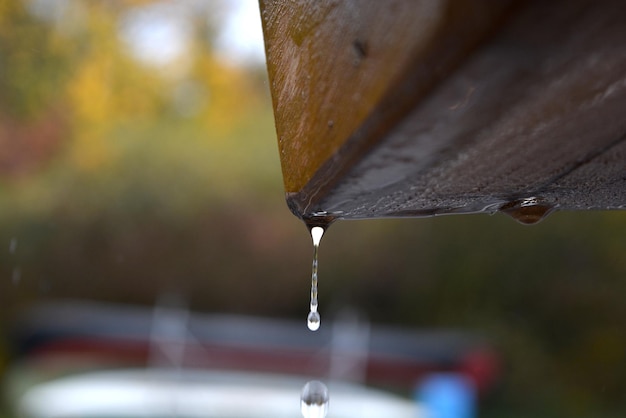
x=139 y=168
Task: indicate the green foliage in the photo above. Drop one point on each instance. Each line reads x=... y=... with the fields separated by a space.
x=35 y=61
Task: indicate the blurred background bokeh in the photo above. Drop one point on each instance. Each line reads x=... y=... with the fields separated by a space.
x=138 y=159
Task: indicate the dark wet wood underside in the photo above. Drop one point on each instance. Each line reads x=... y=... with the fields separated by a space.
x=417 y=108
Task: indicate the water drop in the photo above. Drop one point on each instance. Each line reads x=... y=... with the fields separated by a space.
x=16 y=276
x=527 y=211
x=12 y=245
x=314 y=400
x=313 y=320
x=316 y=234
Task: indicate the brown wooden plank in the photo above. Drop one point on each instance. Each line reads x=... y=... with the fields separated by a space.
x=483 y=107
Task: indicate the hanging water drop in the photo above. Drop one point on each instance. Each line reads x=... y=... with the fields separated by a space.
x=316 y=234
x=314 y=400
x=313 y=320
x=528 y=211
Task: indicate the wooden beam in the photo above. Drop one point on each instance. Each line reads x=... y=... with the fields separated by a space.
x=417 y=108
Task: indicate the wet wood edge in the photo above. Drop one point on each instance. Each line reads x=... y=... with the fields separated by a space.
x=405 y=93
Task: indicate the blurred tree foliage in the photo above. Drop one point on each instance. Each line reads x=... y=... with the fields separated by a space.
x=121 y=180
x=117 y=176
x=35 y=61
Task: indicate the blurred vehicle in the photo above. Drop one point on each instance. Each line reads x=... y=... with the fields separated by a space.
x=85 y=359
x=186 y=393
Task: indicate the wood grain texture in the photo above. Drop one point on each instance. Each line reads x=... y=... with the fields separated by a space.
x=416 y=108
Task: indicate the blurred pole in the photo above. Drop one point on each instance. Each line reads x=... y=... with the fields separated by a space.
x=349 y=347
x=169 y=333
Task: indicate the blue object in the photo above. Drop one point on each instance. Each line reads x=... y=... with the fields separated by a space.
x=447 y=395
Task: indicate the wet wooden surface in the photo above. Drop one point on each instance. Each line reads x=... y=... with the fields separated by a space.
x=417 y=108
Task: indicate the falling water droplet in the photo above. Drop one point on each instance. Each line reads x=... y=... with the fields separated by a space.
x=313 y=320
x=314 y=400
x=12 y=245
x=16 y=276
x=527 y=211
